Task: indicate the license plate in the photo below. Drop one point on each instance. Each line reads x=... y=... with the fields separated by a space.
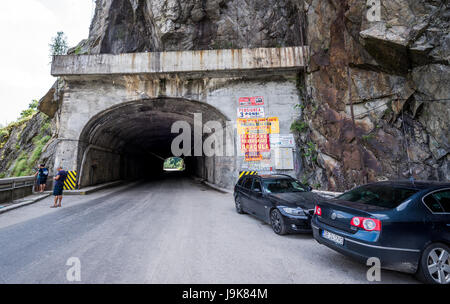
x=333 y=237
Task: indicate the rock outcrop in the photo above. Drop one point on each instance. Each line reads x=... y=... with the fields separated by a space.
x=399 y=82
x=126 y=26
x=25 y=144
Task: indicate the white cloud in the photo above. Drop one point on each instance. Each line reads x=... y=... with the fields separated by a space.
x=26 y=30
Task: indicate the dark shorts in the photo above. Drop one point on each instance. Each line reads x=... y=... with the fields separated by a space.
x=42 y=180
x=58 y=190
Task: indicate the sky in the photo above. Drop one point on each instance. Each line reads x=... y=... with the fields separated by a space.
x=26 y=30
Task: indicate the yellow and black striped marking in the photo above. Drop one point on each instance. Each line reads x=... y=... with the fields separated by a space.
x=242 y=173
x=71 y=181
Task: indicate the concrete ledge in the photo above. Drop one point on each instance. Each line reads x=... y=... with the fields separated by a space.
x=204 y=61
x=327 y=194
x=217 y=188
x=91 y=189
x=24 y=202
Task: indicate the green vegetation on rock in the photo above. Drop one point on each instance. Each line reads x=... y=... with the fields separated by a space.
x=26 y=163
x=21 y=152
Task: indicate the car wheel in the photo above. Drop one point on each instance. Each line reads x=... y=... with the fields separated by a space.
x=434 y=267
x=277 y=222
x=238 y=204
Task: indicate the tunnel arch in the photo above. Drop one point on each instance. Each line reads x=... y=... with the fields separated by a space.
x=121 y=142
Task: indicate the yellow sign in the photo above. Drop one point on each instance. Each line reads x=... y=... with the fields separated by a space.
x=71 y=180
x=269 y=125
x=242 y=173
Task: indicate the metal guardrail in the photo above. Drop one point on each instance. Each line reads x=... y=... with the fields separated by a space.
x=14 y=183
x=7 y=184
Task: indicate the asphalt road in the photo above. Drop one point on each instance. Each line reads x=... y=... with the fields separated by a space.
x=169 y=231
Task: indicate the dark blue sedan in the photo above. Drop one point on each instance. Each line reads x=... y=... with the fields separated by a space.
x=404 y=224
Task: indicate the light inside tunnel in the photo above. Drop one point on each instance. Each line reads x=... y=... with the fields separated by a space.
x=124 y=142
x=174 y=164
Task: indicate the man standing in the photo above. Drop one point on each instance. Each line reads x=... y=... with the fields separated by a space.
x=59 y=186
x=42 y=174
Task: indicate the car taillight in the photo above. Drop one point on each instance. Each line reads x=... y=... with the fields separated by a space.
x=318 y=211
x=367 y=224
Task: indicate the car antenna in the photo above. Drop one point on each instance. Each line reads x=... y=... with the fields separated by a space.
x=412 y=180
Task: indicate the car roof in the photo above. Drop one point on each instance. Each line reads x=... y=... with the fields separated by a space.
x=419 y=185
x=275 y=176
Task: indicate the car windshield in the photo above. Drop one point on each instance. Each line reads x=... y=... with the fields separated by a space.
x=378 y=195
x=283 y=186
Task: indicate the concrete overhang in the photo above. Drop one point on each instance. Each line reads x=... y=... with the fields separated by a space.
x=207 y=63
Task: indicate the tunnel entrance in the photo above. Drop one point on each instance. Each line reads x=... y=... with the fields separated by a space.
x=128 y=141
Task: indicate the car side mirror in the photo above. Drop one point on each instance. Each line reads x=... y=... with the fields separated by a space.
x=309 y=189
x=257 y=190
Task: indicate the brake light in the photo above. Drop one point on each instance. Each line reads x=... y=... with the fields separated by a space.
x=318 y=211
x=368 y=224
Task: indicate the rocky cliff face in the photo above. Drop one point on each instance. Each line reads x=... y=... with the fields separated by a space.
x=122 y=26
x=399 y=82
x=25 y=144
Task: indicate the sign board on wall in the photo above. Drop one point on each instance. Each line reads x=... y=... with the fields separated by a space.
x=269 y=125
x=255 y=143
x=282 y=140
x=250 y=112
x=284 y=159
x=253 y=156
x=251 y=101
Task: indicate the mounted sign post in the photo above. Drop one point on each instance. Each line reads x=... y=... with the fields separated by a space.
x=250 y=112
x=251 y=101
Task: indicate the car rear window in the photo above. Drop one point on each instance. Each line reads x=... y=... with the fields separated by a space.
x=378 y=195
x=438 y=202
x=433 y=204
x=443 y=198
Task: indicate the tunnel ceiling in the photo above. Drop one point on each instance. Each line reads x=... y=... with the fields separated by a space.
x=144 y=126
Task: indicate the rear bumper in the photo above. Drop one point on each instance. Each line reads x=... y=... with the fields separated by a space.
x=398 y=259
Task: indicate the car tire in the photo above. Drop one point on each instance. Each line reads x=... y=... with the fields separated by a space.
x=238 y=205
x=432 y=268
x=277 y=222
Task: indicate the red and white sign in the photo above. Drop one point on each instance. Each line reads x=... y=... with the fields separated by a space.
x=255 y=143
x=251 y=101
x=247 y=112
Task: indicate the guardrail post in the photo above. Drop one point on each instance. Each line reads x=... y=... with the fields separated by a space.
x=13 y=186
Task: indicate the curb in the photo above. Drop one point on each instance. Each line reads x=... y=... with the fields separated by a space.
x=90 y=190
x=19 y=205
x=217 y=188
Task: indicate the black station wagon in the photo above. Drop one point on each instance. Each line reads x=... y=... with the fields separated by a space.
x=279 y=200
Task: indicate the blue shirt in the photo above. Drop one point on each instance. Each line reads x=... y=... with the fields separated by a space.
x=43 y=173
x=62 y=177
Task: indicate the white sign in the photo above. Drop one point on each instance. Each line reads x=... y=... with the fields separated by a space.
x=284 y=159
x=282 y=141
x=250 y=112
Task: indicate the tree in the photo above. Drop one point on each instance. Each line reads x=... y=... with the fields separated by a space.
x=59 y=44
x=32 y=109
